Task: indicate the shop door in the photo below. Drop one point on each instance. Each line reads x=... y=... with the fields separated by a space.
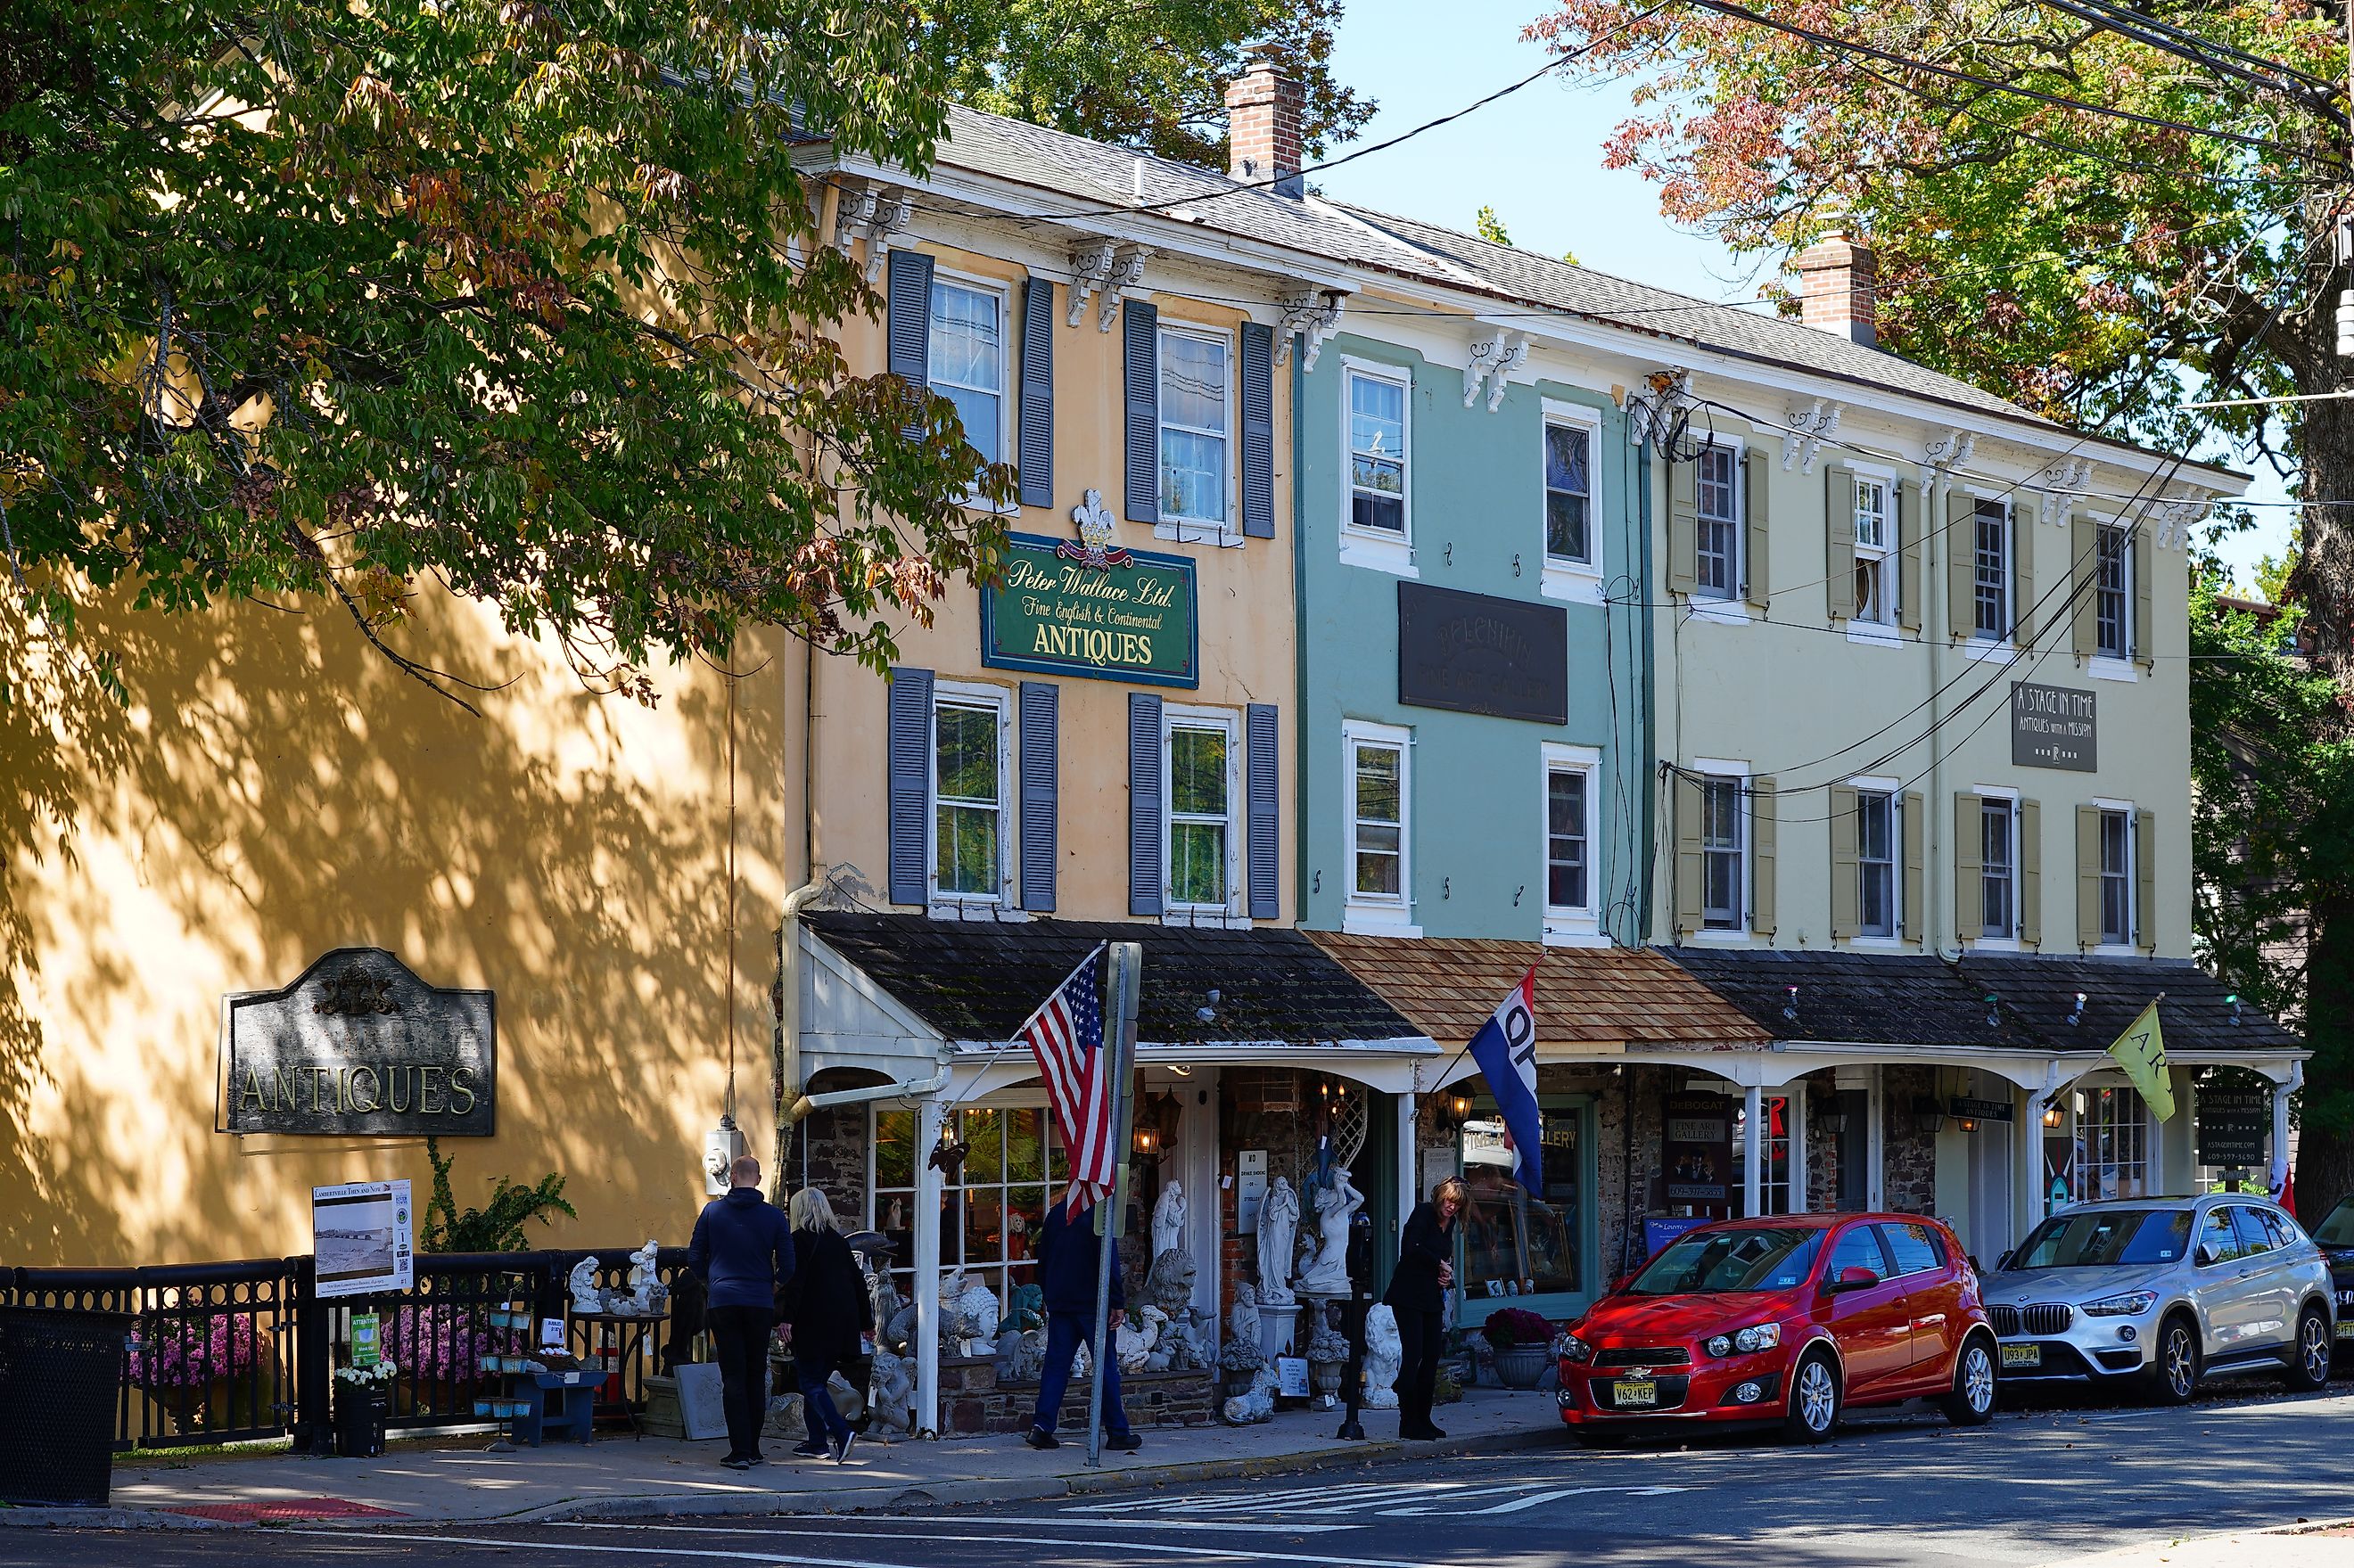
x=1991 y=1164
x=1375 y=1172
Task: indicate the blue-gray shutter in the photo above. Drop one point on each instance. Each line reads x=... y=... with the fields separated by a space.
x=909 y=334
x=1140 y=365
x=1036 y=448
x=910 y=780
x=1143 y=804
x=1266 y=834
x=1041 y=780
x=1259 y=436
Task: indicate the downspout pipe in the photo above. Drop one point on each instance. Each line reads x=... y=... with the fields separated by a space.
x=912 y=1089
x=787 y=1044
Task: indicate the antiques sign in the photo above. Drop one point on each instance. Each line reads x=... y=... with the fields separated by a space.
x=2050 y=726
x=1072 y=609
x=2232 y=1125
x=1477 y=654
x=359 y=1045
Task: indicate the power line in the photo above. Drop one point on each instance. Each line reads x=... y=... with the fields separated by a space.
x=2262 y=62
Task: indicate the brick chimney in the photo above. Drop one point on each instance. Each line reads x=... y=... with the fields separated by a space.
x=1838 y=280
x=1263 y=124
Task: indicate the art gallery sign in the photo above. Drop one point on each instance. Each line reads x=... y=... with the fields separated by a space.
x=360 y=1045
x=1087 y=608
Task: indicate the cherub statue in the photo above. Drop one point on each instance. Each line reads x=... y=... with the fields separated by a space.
x=586 y=1295
x=647 y=1293
x=1384 y=1355
x=891 y=1395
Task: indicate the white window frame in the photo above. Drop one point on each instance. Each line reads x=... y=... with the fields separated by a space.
x=1175 y=718
x=1375 y=549
x=1009 y=371
x=2110 y=666
x=1022 y=1098
x=1565 y=578
x=1377 y=913
x=1894 y=789
x=2000 y=645
x=969 y=695
x=1732 y=611
x=2008 y=944
x=1227 y=529
x=1887 y=629
x=1568 y=926
x=2133 y=874
x=2084 y=1129
x=1723 y=768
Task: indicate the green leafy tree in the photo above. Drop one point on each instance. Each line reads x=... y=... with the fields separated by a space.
x=331 y=300
x=2105 y=268
x=1147 y=76
x=498 y=1225
x=1490 y=227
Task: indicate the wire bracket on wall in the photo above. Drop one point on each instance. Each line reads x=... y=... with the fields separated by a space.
x=1655 y=412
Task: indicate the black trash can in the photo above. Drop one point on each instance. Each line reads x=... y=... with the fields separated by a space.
x=60 y=1373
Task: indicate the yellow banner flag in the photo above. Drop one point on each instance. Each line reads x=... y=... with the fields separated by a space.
x=2141 y=1052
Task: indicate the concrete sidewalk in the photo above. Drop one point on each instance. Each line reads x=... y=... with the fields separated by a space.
x=625 y=1476
x=2290 y=1546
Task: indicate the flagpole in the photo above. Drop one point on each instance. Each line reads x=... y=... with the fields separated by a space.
x=1119 y=1053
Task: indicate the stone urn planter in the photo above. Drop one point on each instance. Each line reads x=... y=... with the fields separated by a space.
x=1520 y=1366
x=1324 y=1377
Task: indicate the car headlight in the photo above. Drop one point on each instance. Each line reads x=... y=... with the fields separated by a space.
x=1764 y=1336
x=2132 y=1304
x=1573 y=1348
x=1720 y=1346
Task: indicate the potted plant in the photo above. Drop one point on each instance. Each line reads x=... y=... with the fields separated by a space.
x=363 y=1401
x=1519 y=1339
x=1328 y=1358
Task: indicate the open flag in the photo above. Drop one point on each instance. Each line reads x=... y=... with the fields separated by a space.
x=1066 y=1035
x=2141 y=1052
x=1506 y=1050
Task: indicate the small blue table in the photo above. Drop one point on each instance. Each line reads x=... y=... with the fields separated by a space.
x=555 y=1403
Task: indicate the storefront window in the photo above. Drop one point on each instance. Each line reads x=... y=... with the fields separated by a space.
x=1774 y=1196
x=1514 y=1244
x=991 y=1212
x=2112 y=1145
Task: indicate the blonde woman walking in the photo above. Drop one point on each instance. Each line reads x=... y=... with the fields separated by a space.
x=828 y=1310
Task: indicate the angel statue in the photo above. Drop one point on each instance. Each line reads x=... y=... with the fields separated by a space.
x=1279 y=1221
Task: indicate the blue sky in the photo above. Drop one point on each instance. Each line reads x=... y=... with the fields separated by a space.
x=1536 y=158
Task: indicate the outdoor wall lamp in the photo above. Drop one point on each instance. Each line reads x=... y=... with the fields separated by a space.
x=1927 y=1115
x=2078 y=1016
x=2051 y=1116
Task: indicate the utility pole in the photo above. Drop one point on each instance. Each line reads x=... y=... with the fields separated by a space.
x=1112 y=1215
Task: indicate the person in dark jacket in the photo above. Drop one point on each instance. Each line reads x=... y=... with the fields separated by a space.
x=830 y=1310
x=1070 y=1254
x=743 y=1253
x=1417 y=1295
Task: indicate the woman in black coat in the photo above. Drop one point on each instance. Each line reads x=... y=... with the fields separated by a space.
x=1417 y=1295
x=829 y=1310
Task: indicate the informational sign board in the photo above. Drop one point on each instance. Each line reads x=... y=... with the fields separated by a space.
x=368 y=1343
x=1291 y=1376
x=2232 y=1126
x=2052 y=727
x=362 y=1238
x=1475 y=653
x=551 y=1333
x=1250 y=1189
x=1698 y=1149
x=1980 y=1111
x=1131 y=616
x=1659 y=1230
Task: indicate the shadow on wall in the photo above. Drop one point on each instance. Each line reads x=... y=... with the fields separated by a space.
x=273 y=789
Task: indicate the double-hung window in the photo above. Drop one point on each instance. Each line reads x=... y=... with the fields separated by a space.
x=2113 y=593
x=968 y=360
x=1875 y=535
x=1377 y=454
x=968 y=791
x=1379 y=761
x=1198 y=764
x=1717 y=568
x=2117 y=877
x=1723 y=890
x=1875 y=862
x=1998 y=868
x=1196 y=427
x=1569 y=493
x=1569 y=850
x=1991 y=571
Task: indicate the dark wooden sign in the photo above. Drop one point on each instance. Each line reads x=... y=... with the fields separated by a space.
x=359 y=1045
x=2232 y=1126
x=1475 y=653
x=1697 y=1149
x=1975 y=1110
x=2052 y=727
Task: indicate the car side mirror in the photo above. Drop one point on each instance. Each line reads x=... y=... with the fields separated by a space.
x=2003 y=1263
x=1854 y=1277
x=2205 y=1256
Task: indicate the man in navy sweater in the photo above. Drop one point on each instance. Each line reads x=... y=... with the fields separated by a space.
x=743 y=1253
x=1070 y=1254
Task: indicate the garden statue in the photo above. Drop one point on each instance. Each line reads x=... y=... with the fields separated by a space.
x=1169 y=1285
x=1184 y=1345
x=974 y=1313
x=1241 y=1351
x=1324 y=1266
x=647 y=1294
x=888 y=1307
x=1132 y=1342
x=1279 y=1221
x=1259 y=1404
x=1384 y=1355
x=892 y=1394
x=1026 y=1309
x=1020 y=1355
x=585 y=1296
x=1169 y=1219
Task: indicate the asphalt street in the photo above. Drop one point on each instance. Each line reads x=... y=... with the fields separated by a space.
x=2038 y=1486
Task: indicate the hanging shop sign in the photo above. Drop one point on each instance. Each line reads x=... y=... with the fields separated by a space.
x=360 y=1045
x=1475 y=653
x=362 y=1242
x=1091 y=609
x=1965 y=1107
x=2232 y=1125
x=1698 y=1151
x=2052 y=727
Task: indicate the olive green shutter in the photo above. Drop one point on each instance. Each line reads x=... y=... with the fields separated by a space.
x=2145 y=882
x=1845 y=916
x=2142 y=651
x=1839 y=533
x=1917 y=869
x=2084 y=550
x=2022 y=576
x=2088 y=877
x=2030 y=873
x=1683 y=525
x=1689 y=866
x=1761 y=856
x=1754 y=560
x=1969 y=912
x=1908 y=557
x=1961 y=563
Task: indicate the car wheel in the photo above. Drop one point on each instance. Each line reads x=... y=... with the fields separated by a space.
x=1972 y=1402
x=2174 y=1376
x=2309 y=1373
x=1813 y=1399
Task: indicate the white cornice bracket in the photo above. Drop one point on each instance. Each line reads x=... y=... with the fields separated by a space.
x=1127 y=275
x=1490 y=358
x=853 y=213
x=2062 y=479
x=1091 y=265
x=1807 y=430
x=1948 y=451
x=890 y=218
x=2172 y=521
x=1312 y=314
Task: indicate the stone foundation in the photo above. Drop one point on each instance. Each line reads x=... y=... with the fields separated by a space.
x=973 y=1404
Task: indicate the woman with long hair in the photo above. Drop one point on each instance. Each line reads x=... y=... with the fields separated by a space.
x=1417 y=1294
x=830 y=1310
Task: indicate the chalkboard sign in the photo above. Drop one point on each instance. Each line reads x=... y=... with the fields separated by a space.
x=1698 y=1149
x=1475 y=653
x=2232 y=1126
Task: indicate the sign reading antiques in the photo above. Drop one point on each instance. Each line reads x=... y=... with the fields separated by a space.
x=359 y=1045
x=2232 y=1125
x=2050 y=726
x=1092 y=610
x=1477 y=654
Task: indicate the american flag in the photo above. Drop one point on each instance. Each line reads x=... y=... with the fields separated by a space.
x=1066 y=1035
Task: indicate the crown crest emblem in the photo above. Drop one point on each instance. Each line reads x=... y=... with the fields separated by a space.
x=1095 y=548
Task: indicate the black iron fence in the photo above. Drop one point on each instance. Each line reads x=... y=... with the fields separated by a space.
x=224 y=1353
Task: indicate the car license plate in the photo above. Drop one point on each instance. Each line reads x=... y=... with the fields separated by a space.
x=1630 y=1393
x=2346 y=1330
x=2022 y=1355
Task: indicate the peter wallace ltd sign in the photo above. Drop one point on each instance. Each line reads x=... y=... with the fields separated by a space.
x=359 y=1045
x=2052 y=727
x=1065 y=608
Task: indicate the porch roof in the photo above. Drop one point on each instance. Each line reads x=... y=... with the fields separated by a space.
x=1586 y=996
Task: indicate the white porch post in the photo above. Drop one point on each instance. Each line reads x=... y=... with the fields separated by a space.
x=1200 y=1178
x=2031 y=1161
x=1752 y=1147
x=927 y=1266
x=1409 y=1176
x=1796 y=1124
x=2279 y=1167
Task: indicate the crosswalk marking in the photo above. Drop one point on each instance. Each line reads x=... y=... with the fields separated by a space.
x=1383 y=1500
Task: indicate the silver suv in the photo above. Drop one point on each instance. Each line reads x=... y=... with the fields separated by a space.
x=2170 y=1290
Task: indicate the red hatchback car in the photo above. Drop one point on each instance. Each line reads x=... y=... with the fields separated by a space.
x=1784 y=1320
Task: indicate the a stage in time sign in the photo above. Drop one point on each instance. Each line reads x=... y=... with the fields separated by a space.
x=1127 y=615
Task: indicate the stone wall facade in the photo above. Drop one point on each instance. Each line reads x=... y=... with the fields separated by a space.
x=1909 y=1155
x=975 y=1403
